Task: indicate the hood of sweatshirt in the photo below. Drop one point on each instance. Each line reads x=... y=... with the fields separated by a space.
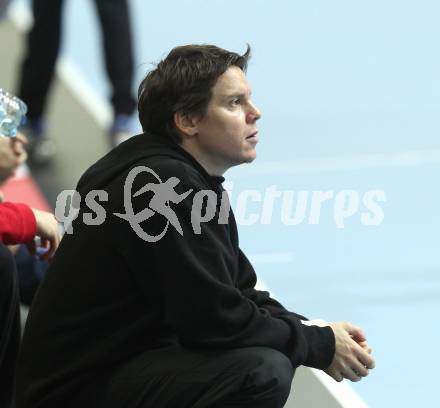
x=128 y=153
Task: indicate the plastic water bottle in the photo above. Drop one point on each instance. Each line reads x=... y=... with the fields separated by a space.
x=12 y=111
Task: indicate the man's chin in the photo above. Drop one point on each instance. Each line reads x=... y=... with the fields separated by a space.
x=245 y=159
x=251 y=157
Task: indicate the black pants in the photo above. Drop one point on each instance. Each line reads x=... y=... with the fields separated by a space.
x=9 y=325
x=43 y=43
x=174 y=377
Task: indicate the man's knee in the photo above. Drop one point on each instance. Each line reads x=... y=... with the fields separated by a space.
x=271 y=372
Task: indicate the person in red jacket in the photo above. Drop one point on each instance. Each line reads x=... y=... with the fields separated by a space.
x=19 y=224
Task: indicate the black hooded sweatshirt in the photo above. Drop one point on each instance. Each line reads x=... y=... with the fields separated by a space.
x=111 y=294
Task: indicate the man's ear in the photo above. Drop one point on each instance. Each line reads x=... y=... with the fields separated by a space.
x=186 y=123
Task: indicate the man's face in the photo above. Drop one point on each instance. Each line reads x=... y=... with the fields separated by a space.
x=227 y=134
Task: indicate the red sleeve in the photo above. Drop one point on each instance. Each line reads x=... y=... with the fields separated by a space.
x=17 y=223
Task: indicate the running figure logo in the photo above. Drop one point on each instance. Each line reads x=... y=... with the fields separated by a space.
x=163 y=194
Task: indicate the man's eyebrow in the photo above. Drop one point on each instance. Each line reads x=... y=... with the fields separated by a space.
x=237 y=95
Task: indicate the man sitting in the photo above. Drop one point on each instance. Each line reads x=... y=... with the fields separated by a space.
x=139 y=311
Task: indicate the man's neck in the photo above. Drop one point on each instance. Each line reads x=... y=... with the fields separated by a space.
x=211 y=169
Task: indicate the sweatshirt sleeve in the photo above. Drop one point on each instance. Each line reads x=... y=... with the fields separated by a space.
x=194 y=274
x=17 y=223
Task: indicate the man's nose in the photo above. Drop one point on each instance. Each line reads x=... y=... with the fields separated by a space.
x=253 y=114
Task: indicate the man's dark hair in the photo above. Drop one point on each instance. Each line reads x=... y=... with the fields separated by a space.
x=183 y=82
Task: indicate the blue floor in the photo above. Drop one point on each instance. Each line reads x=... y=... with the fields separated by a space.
x=350 y=96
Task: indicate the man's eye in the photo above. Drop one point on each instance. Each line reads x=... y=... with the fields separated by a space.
x=236 y=101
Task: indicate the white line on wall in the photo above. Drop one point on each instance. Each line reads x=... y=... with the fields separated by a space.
x=341 y=163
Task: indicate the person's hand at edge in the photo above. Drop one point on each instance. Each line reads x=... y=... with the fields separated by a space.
x=49 y=233
x=352 y=359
